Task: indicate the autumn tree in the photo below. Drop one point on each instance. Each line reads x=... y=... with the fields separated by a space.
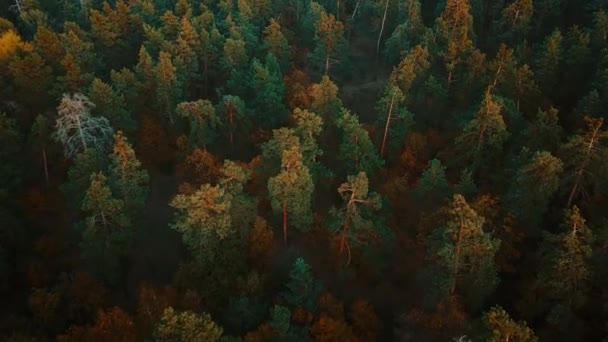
x=358 y=224
x=276 y=43
x=330 y=45
x=77 y=129
x=203 y=218
x=455 y=29
x=291 y=191
x=461 y=256
x=168 y=89
x=499 y=327
x=127 y=177
x=187 y=326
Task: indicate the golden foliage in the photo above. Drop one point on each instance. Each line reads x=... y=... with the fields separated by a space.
x=10 y=42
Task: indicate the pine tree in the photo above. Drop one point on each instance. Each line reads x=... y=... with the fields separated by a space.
x=276 y=43
x=501 y=327
x=565 y=273
x=187 y=326
x=325 y=101
x=243 y=207
x=267 y=84
x=77 y=129
x=107 y=229
x=203 y=218
x=515 y=20
x=308 y=127
x=78 y=180
x=128 y=178
x=40 y=134
x=291 y=191
x=358 y=224
x=111 y=105
x=393 y=116
x=486 y=131
x=582 y=153
x=202 y=119
x=535 y=182
x=168 y=89
x=549 y=61
x=232 y=112
x=302 y=289
x=356 y=149
x=462 y=255
x=455 y=28
x=433 y=186
x=330 y=45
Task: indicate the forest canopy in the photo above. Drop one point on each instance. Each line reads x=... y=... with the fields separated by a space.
x=273 y=170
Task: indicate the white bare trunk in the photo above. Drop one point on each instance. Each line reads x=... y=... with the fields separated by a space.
x=382 y=27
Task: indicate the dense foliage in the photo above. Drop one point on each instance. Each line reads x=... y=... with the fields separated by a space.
x=272 y=170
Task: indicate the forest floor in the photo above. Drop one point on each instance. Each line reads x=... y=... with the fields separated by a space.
x=157 y=249
x=361 y=92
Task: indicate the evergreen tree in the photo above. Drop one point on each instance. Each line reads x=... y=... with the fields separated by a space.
x=276 y=43
x=501 y=327
x=168 y=88
x=549 y=61
x=461 y=255
x=291 y=191
x=330 y=45
x=565 y=273
x=582 y=153
x=486 y=131
x=302 y=289
x=433 y=186
x=187 y=326
x=203 y=218
x=111 y=105
x=232 y=112
x=358 y=224
x=128 y=178
x=535 y=182
x=202 y=119
x=107 y=229
x=356 y=149
x=267 y=84
x=455 y=29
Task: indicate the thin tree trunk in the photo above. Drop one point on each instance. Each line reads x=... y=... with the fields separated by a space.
x=382 y=28
x=46 y=168
x=285 y=224
x=579 y=176
x=449 y=79
x=327 y=63
x=231 y=118
x=388 y=121
x=343 y=237
x=81 y=133
x=355 y=11
x=103 y=219
x=456 y=258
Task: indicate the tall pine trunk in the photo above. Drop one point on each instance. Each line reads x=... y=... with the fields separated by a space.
x=382 y=28
x=388 y=122
x=581 y=171
x=285 y=223
x=46 y=168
